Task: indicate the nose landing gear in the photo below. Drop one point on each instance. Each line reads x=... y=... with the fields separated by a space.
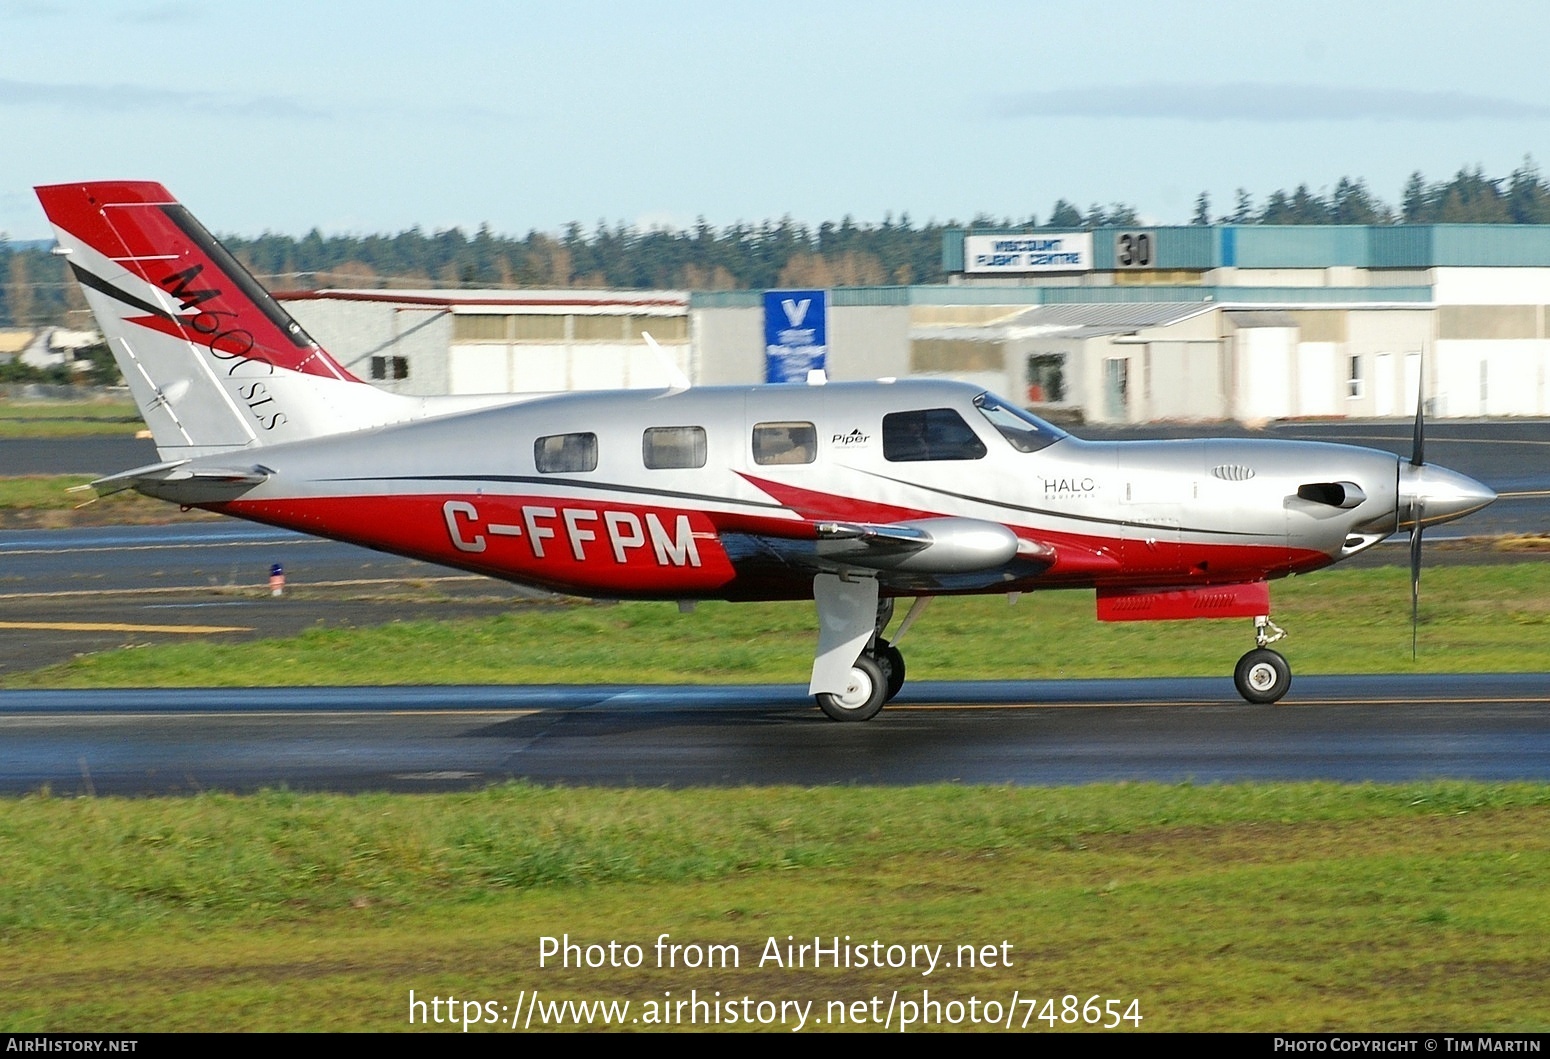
x=1262 y=676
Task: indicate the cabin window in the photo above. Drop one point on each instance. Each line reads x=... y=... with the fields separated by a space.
x=389 y=368
x=775 y=443
x=668 y=448
x=929 y=434
x=565 y=453
x=1024 y=431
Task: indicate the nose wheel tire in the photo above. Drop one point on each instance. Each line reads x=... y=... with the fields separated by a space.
x=864 y=693
x=1262 y=676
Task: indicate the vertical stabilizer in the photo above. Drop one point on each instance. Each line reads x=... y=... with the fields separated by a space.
x=212 y=359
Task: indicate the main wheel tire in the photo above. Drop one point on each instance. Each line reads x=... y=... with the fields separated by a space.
x=892 y=661
x=1262 y=676
x=863 y=696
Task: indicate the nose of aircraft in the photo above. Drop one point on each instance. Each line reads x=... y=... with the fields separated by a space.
x=1444 y=495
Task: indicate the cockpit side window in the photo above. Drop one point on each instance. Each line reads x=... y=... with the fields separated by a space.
x=929 y=434
x=1023 y=430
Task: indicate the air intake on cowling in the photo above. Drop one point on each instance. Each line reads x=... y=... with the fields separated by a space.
x=1344 y=495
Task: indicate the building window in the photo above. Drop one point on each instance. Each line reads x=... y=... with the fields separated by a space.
x=389 y=368
x=480 y=328
x=669 y=448
x=536 y=328
x=784 y=443
x=601 y=329
x=929 y=434
x=1046 y=378
x=1354 y=377
x=663 y=329
x=565 y=453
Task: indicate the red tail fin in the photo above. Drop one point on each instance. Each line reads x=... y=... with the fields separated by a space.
x=198 y=292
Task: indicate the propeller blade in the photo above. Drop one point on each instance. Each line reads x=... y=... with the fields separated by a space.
x=1418 y=443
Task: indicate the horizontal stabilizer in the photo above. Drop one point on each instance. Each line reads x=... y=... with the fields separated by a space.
x=179 y=482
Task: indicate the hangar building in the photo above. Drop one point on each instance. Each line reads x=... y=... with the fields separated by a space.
x=1114 y=325
x=430 y=342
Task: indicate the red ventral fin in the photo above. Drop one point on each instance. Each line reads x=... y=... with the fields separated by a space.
x=1248 y=600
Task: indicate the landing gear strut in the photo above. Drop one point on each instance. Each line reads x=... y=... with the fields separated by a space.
x=1263 y=676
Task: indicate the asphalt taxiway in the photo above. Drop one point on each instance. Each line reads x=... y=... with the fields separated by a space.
x=1348 y=729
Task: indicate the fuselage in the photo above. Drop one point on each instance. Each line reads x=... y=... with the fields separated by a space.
x=724 y=492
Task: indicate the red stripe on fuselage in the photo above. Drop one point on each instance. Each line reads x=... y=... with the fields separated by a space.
x=819 y=507
x=568 y=546
x=609 y=549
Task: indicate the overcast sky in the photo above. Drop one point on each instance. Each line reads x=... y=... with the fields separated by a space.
x=373 y=117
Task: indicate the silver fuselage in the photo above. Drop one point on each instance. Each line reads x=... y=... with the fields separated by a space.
x=466 y=490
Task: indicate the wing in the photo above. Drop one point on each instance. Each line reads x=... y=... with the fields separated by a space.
x=911 y=556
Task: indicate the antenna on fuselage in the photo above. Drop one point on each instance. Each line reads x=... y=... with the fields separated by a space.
x=677 y=381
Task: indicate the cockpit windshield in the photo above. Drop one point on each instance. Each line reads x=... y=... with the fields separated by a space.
x=1026 y=432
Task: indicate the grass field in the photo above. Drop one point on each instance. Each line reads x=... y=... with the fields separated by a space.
x=58 y=419
x=47 y=502
x=1310 y=907
x=1473 y=619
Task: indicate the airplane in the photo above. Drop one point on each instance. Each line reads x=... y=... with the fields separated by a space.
x=855 y=495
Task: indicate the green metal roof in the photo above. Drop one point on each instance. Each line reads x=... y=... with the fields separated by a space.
x=1310 y=245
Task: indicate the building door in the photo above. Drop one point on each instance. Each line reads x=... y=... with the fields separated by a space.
x=1412 y=383
x=1116 y=390
x=1383 y=396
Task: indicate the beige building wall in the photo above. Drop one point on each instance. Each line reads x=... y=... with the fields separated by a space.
x=868 y=342
x=354 y=332
x=728 y=346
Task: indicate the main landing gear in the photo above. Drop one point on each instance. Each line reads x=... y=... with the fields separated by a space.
x=877 y=675
x=875 y=678
x=1262 y=675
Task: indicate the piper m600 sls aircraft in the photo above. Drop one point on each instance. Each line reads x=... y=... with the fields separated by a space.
x=855 y=495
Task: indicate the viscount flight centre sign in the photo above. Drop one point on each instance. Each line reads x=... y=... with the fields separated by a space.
x=1030 y=252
